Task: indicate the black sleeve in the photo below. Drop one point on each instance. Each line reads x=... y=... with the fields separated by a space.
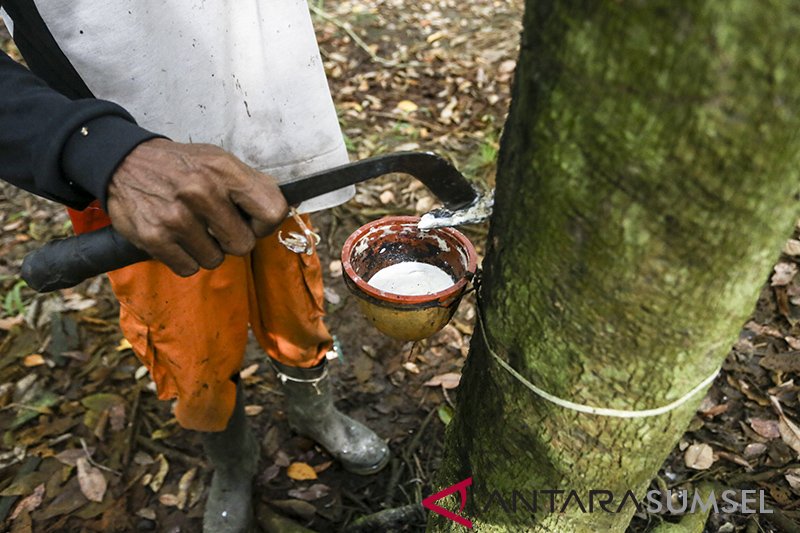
x=62 y=149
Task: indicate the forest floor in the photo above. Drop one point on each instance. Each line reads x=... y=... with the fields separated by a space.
x=79 y=416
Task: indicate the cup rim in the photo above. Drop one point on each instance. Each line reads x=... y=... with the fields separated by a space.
x=442 y=296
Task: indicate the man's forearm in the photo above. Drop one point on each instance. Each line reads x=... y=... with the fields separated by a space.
x=62 y=149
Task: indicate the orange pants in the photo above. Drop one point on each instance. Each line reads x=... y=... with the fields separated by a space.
x=191 y=332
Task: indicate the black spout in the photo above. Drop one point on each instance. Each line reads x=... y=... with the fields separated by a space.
x=66 y=262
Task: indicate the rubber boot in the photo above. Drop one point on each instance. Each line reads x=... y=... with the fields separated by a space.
x=310 y=410
x=234 y=454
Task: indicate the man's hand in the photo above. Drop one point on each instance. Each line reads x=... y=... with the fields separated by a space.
x=189 y=204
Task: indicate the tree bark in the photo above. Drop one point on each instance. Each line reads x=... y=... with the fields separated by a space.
x=647 y=179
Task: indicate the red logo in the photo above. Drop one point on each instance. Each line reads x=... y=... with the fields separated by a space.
x=461 y=487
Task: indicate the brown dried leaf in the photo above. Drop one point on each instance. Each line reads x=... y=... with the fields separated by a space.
x=782 y=362
x=790 y=433
x=7 y=323
x=793 y=478
x=793 y=342
x=754 y=449
x=158 y=479
x=33 y=359
x=767 y=330
x=734 y=458
x=124 y=344
x=314 y=492
x=406 y=106
x=295 y=507
x=766 y=428
x=142 y=458
x=269 y=473
x=249 y=371
x=411 y=367
x=792 y=247
x=253 y=410
x=322 y=466
x=716 y=410
x=168 y=500
x=301 y=472
x=91 y=480
x=76 y=302
x=387 y=197
x=282 y=458
x=183 y=487
x=70 y=457
x=450 y=380
x=147 y=512
x=29 y=502
x=699 y=456
x=784 y=273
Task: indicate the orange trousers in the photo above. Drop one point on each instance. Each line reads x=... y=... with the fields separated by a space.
x=191 y=332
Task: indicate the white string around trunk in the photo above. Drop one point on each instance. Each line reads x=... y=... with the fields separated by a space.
x=582 y=408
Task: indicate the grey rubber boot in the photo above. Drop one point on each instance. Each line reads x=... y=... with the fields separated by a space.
x=234 y=454
x=310 y=410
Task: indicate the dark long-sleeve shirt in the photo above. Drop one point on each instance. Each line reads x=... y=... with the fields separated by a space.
x=38 y=121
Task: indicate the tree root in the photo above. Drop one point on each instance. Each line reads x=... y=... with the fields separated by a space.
x=388 y=519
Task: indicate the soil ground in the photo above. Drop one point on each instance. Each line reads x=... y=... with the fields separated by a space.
x=405 y=76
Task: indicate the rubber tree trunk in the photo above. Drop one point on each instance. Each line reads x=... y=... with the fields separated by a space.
x=646 y=182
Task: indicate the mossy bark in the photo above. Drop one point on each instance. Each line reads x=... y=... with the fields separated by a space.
x=647 y=179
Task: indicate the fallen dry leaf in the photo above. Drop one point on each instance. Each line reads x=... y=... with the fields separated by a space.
x=784 y=273
x=269 y=473
x=793 y=478
x=7 y=323
x=763 y=329
x=91 y=480
x=314 y=492
x=116 y=415
x=70 y=457
x=450 y=380
x=766 y=428
x=754 y=449
x=168 y=500
x=295 y=507
x=406 y=106
x=33 y=359
x=76 y=302
x=184 y=485
x=322 y=466
x=411 y=367
x=143 y=458
x=253 y=410
x=790 y=433
x=146 y=512
x=124 y=344
x=699 y=456
x=29 y=502
x=793 y=342
x=792 y=247
x=301 y=472
x=158 y=479
x=782 y=362
x=249 y=371
x=387 y=197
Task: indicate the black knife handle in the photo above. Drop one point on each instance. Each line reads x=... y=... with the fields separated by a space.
x=66 y=262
